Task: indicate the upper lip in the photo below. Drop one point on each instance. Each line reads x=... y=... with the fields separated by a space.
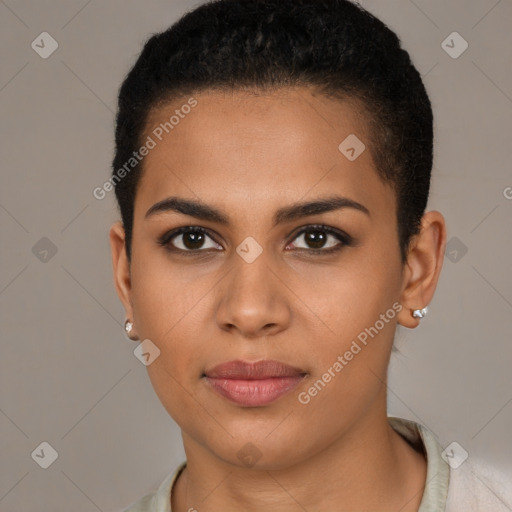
x=265 y=369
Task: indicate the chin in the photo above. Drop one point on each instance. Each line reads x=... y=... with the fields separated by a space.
x=261 y=453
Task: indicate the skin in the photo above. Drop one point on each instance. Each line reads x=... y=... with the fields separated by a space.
x=249 y=155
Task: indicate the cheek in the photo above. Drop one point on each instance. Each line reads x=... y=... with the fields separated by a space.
x=170 y=310
x=346 y=297
x=350 y=358
x=168 y=307
x=348 y=301
x=164 y=293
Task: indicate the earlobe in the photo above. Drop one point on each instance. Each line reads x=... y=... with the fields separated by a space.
x=121 y=266
x=423 y=267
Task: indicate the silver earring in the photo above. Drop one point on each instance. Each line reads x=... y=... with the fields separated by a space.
x=420 y=313
x=128 y=327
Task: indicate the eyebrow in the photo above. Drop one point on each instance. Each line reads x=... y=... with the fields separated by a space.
x=203 y=211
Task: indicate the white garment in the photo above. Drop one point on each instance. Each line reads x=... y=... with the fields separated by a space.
x=474 y=486
x=477 y=487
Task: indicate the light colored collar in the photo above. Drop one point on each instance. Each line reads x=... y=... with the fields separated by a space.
x=438 y=470
x=161 y=500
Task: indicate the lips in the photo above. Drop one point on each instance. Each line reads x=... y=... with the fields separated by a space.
x=251 y=371
x=253 y=384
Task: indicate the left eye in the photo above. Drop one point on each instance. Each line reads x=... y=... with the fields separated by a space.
x=315 y=238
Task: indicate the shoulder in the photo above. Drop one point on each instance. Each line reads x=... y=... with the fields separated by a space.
x=476 y=486
x=472 y=486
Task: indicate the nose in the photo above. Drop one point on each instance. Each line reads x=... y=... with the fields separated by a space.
x=253 y=300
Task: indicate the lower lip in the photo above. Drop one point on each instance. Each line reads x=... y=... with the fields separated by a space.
x=254 y=393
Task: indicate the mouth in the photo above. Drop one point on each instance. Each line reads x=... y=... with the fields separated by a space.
x=253 y=384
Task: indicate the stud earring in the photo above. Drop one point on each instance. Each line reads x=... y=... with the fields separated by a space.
x=420 y=313
x=128 y=327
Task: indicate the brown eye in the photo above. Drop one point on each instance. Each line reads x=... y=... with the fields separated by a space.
x=315 y=239
x=189 y=239
x=321 y=239
x=192 y=240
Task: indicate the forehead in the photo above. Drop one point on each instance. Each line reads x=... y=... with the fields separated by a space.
x=267 y=148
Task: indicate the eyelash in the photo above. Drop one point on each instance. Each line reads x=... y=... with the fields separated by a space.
x=346 y=240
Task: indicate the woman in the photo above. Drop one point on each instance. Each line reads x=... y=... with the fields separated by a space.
x=272 y=169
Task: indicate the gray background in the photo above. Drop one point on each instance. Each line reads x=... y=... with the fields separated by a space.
x=69 y=376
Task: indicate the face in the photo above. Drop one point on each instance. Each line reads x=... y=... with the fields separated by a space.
x=264 y=279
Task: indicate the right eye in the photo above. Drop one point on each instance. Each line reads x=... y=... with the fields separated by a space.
x=189 y=239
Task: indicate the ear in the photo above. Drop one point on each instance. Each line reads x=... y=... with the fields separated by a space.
x=121 y=267
x=423 y=267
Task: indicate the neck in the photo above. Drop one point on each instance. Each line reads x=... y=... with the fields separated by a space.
x=369 y=467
